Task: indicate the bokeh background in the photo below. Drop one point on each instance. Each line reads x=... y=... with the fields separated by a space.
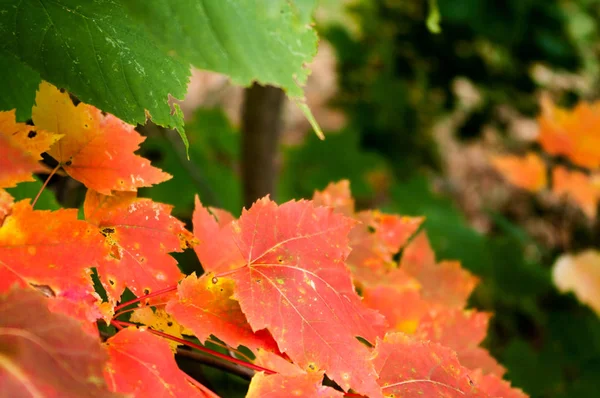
x=411 y=118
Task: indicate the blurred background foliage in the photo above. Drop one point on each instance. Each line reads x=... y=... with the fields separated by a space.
x=410 y=118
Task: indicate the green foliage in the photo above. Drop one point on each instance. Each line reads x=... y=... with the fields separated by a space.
x=28 y=190
x=211 y=170
x=94 y=50
x=316 y=163
x=268 y=41
x=18 y=87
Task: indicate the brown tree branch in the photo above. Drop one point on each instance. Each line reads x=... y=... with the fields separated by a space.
x=261 y=126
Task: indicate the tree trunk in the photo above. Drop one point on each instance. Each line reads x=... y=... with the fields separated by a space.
x=261 y=125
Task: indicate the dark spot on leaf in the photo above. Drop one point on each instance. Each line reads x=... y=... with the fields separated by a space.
x=107 y=231
x=215 y=280
x=311 y=366
x=31 y=134
x=371 y=229
x=111 y=282
x=142 y=259
x=68 y=162
x=146 y=291
x=258 y=280
x=169 y=324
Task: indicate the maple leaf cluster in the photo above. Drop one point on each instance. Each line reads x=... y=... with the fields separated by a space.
x=281 y=281
x=571 y=134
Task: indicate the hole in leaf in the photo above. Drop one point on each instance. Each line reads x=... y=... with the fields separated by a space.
x=31 y=134
x=214 y=280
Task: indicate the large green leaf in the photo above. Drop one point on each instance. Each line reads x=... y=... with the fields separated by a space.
x=264 y=40
x=94 y=50
x=18 y=82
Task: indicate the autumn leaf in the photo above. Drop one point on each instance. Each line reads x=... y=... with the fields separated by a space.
x=527 y=172
x=143 y=365
x=216 y=249
x=374 y=243
x=494 y=386
x=96 y=149
x=307 y=385
x=159 y=319
x=296 y=285
x=204 y=305
x=338 y=196
x=571 y=133
x=461 y=331
x=397 y=296
x=51 y=249
x=578 y=187
x=6 y=204
x=86 y=309
x=580 y=274
x=139 y=234
x=445 y=282
x=44 y=354
x=20 y=148
x=290 y=379
x=410 y=368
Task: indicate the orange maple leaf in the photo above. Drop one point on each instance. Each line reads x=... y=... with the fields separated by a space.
x=580 y=188
x=572 y=133
x=6 y=204
x=20 y=148
x=50 y=249
x=96 y=149
x=527 y=172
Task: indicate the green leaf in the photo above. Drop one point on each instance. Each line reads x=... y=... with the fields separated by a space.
x=28 y=190
x=18 y=83
x=94 y=50
x=433 y=19
x=268 y=41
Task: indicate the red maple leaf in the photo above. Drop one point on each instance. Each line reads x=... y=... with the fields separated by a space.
x=462 y=331
x=204 y=305
x=46 y=354
x=216 y=250
x=410 y=368
x=446 y=282
x=97 y=150
x=338 y=196
x=139 y=234
x=296 y=285
x=143 y=365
